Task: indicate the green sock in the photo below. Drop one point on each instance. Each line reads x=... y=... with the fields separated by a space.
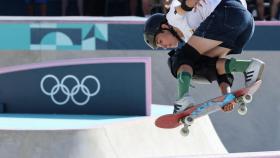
x=184 y=79
x=233 y=65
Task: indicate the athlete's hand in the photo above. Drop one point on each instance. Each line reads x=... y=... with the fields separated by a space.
x=228 y=107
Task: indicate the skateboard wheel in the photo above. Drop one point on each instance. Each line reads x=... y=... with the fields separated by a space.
x=188 y=120
x=247 y=98
x=185 y=131
x=242 y=110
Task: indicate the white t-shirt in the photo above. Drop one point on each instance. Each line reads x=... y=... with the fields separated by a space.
x=191 y=20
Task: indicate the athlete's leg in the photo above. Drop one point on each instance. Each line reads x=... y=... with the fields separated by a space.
x=224 y=80
x=218 y=51
x=195 y=48
x=204 y=45
x=184 y=100
x=252 y=69
x=184 y=76
x=181 y=68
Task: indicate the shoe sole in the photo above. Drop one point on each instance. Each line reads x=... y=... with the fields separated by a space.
x=261 y=68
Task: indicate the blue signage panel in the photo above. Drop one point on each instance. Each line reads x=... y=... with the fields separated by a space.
x=85 y=88
x=85 y=36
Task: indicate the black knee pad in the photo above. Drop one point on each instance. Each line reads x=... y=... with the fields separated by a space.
x=186 y=55
x=205 y=68
x=227 y=78
x=190 y=54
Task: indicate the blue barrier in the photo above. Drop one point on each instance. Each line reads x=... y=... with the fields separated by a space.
x=101 y=34
x=101 y=86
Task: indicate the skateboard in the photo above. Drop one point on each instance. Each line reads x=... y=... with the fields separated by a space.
x=186 y=118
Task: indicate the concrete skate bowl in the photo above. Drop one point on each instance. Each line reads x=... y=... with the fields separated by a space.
x=87 y=136
x=120 y=133
x=256 y=131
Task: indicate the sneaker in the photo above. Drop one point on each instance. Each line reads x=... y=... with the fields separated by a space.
x=183 y=103
x=254 y=72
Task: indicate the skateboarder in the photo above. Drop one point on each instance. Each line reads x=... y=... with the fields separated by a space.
x=207 y=31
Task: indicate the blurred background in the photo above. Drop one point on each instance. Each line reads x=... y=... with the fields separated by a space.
x=261 y=9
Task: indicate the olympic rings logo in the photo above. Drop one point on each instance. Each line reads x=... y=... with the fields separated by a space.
x=70 y=93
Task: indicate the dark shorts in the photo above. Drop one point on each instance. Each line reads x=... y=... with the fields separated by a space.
x=230 y=23
x=204 y=68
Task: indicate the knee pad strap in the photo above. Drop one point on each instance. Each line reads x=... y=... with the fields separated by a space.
x=227 y=78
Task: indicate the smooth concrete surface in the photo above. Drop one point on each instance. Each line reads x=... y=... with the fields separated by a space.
x=124 y=138
x=259 y=130
x=266 y=154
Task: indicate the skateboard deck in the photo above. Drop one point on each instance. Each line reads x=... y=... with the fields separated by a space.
x=240 y=96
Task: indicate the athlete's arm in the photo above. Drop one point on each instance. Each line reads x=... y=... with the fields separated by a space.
x=225 y=88
x=188 y=5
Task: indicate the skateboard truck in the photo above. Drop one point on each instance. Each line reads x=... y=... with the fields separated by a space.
x=242 y=101
x=187 y=121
